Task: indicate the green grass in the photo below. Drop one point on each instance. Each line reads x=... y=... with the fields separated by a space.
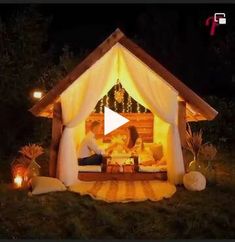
x=199 y=215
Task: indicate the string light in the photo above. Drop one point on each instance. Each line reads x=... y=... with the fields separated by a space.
x=115 y=105
x=138 y=107
x=115 y=102
x=101 y=105
x=107 y=100
x=123 y=105
x=129 y=104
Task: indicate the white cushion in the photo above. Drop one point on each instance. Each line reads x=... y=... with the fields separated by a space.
x=42 y=184
x=89 y=168
x=153 y=168
x=194 y=181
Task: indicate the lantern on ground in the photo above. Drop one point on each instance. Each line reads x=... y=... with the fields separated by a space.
x=18 y=181
x=18 y=171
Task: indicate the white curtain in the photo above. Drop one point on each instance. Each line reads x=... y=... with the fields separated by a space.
x=157 y=95
x=145 y=86
x=77 y=102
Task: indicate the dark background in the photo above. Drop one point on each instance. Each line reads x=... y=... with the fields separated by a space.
x=55 y=37
x=174 y=34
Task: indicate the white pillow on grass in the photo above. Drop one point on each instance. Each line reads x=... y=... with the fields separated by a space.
x=194 y=181
x=42 y=184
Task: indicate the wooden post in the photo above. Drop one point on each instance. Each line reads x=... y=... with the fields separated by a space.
x=57 y=127
x=182 y=128
x=182 y=122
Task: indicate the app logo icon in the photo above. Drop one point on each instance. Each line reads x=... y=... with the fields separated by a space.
x=215 y=21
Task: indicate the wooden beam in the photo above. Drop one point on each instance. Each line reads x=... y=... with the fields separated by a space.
x=182 y=122
x=57 y=127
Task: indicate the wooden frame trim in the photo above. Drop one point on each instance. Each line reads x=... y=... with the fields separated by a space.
x=182 y=122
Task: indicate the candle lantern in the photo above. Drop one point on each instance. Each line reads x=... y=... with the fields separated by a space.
x=18 y=181
x=25 y=166
x=18 y=171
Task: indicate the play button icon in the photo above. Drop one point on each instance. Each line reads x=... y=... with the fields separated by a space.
x=112 y=120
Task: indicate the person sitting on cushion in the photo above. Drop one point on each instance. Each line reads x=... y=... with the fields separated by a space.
x=89 y=152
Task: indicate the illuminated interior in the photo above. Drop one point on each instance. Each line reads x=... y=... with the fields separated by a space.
x=146 y=87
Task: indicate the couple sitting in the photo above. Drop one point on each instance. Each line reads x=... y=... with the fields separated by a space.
x=90 y=153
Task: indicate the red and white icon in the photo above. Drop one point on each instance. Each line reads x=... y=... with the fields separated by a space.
x=214 y=21
x=112 y=120
x=220 y=18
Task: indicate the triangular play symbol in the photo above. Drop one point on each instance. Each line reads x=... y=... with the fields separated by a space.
x=112 y=120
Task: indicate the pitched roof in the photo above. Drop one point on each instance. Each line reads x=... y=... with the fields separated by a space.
x=197 y=108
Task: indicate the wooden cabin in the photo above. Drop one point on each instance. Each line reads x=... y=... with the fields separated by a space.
x=191 y=107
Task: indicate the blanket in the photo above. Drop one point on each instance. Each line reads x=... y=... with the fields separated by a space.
x=125 y=191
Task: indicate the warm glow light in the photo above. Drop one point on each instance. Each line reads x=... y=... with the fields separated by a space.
x=37 y=94
x=18 y=180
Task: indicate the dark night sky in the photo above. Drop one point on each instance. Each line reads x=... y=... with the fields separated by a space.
x=85 y=26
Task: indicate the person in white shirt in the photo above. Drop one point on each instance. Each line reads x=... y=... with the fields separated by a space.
x=89 y=152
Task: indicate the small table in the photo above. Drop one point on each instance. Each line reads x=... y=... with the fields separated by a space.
x=127 y=176
x=106 y=158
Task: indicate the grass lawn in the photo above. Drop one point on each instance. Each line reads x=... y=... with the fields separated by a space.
x=206 y=214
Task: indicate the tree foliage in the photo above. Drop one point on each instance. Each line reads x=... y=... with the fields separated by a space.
x=26 y=62
x=220 y=131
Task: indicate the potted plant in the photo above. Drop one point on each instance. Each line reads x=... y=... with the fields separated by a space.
x=209 y=152
x=31 y=152
x=194 y=144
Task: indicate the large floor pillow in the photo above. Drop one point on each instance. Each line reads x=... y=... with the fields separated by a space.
x=153 y=168
x=157 y=151
x=194 y=181
x=42 y=184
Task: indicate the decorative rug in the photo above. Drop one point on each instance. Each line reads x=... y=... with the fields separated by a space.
x=125 y=191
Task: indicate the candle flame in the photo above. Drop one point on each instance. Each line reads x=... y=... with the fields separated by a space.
x=18 y=180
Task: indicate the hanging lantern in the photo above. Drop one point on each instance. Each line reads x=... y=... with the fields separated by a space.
x=37 y=94
x=119 y=93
